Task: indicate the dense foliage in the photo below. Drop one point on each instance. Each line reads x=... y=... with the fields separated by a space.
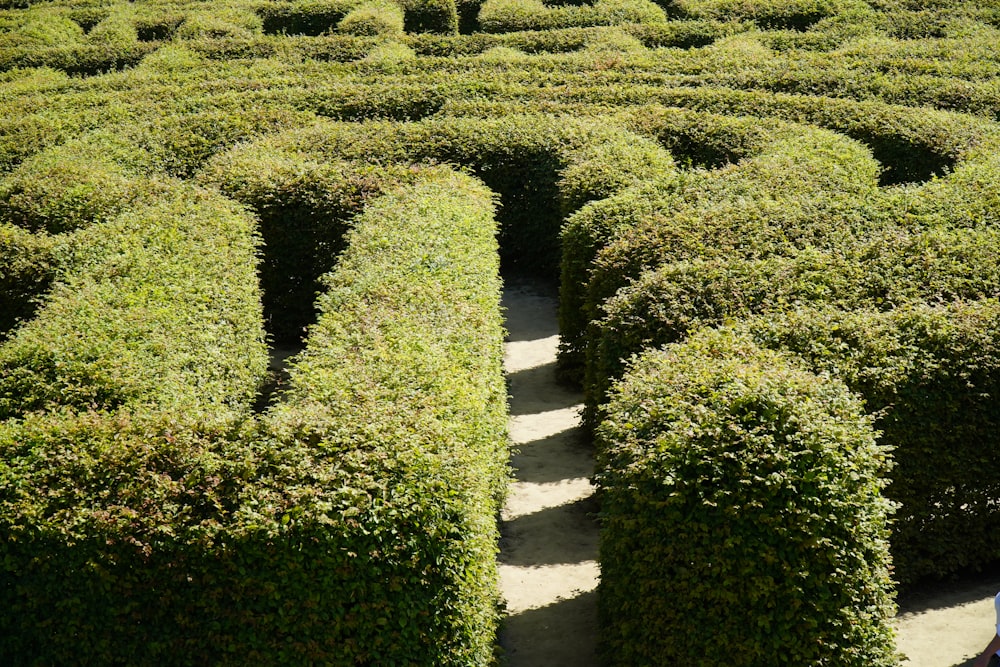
x=182 y=184
x=743 y=519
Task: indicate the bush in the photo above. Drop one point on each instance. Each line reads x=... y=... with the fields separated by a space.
x=742 y=515
x=167 y=295
x=519 y=15
x=519 y=157
x=929 y=375
x=304 y=208
x=336 y=529
x=373 y=19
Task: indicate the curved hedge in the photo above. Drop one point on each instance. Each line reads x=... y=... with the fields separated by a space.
x=158 y=307
x=929 y=375
x=888 y=270
x=742 y=516
x=152 y=535
x=806 y=187
x=541 y=165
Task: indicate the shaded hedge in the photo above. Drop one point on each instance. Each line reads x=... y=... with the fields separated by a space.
x=26 y=271
x=928 y=373
x=742 y=520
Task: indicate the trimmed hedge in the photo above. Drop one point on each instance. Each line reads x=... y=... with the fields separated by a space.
x=159 y=307
x=400 y=391
x=742 y=519
x=26 y=271
x=890 y=270
x=517 y=15
x=304 y=208
x=929 y=374
x=803 y=187
x=526 y=159
x=354 y=523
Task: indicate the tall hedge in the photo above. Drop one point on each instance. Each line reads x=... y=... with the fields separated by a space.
x=354 y=523
x=742 y=519
x=929 y=375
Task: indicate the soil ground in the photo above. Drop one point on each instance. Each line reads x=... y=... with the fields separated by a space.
x=548 y=560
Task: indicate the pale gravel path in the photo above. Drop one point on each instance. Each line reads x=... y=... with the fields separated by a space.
x=548 y=560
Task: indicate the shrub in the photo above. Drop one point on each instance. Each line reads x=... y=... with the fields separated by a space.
x=304 y=17
x=518 y=15
x=742 y=515
x=304 y=207
x=929 y=375
x=168 y=298
x=372 y=19
x=803 y=187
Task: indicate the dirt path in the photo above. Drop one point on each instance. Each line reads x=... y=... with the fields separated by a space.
x=548 y=561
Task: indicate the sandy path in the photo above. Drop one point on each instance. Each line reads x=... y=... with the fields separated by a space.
x=548 y=560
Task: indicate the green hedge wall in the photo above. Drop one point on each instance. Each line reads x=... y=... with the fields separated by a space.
x=353 y=523
x=886 y=271
x=928 y=373
x=805 y=187
x=541 y=165
x=159 y=306
x=742 y=520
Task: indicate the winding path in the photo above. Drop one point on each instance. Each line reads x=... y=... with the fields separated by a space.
x=548 y=559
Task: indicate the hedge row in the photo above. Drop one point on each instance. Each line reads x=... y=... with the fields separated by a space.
x=142 y=314
x=928 y=373
x=542 y=166
x=742 y=515
x=519 y=15
x=400 y=393
x=883 y=272
x=353 y=523
x=801 y=186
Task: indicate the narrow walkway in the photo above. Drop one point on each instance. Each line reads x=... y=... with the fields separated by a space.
x=548 y=559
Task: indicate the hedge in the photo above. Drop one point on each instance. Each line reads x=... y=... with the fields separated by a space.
x=522 y=158
x=517 y=15
x=159 y=306
x=742 y=519
x=889 y=270
x=401 y=389
x=353 y=523
x=26 y=271
x=304 y=208
x=928 y=373
x=804 y=187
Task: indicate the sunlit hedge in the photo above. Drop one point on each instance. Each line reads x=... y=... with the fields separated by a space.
x=741 y=514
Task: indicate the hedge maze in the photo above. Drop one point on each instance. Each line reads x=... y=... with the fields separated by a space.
x=774 y=226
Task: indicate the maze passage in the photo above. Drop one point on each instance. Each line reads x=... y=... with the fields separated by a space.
x=773 y=226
